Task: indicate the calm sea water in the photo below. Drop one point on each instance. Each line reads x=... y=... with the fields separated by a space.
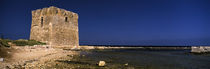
x=149 y=59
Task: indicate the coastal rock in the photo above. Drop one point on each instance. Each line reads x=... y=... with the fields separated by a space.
x=101 y=63
x=200 y=49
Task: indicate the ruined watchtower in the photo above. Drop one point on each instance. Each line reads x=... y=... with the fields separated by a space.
x=55 y=26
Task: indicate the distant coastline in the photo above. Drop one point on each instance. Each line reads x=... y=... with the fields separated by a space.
x=192 y=49
x=134 y=45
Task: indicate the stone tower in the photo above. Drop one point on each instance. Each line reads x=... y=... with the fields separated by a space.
x=55 y=26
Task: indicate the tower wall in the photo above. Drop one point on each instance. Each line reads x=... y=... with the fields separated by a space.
x=55 y=26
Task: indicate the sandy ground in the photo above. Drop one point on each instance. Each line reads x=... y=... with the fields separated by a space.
x=34 y=57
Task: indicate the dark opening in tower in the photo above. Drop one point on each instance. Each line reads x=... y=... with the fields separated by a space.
x=66 y=19
x=41 y=21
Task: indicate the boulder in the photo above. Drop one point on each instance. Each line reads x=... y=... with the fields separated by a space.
x=101 y=63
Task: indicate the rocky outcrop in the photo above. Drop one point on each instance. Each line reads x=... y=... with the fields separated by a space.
x=200 y=49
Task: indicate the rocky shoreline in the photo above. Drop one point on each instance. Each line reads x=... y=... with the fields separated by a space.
x=48 y=57
x=35 y=57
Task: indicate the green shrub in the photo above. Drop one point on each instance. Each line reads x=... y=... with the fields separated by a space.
x=20 y=42
x=27 y=42
x=33 y=42
x=4 y=42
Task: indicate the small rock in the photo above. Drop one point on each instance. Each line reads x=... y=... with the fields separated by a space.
x=101 y=63
x=1 y=59
x=126 y=64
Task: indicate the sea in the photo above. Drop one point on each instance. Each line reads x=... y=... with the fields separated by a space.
x=145 y=59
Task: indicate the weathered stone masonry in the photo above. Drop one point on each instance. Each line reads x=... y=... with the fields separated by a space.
x=55 y=26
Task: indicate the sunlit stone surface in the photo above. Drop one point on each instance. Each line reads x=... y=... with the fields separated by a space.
x=200 y=49
x=55 y=26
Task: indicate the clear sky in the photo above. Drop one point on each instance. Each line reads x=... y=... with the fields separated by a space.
x=119 y=22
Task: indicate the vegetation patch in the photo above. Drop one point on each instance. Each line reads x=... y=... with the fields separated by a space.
x=27 y=42
x=4 y=42
x=20 y=42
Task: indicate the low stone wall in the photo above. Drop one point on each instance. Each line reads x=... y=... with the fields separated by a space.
x=200 y=49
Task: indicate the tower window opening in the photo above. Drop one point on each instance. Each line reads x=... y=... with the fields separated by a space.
x=41 y=21
x=66 y=19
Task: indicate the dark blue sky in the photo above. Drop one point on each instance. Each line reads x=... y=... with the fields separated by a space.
x=127 y=22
